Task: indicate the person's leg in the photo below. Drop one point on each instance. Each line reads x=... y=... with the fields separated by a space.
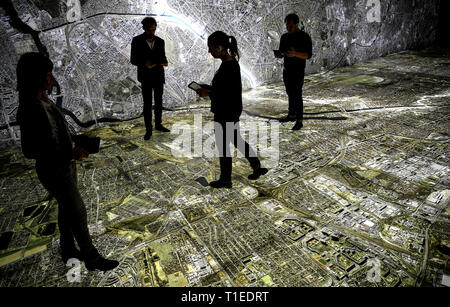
x=93 y=260
x=60 y=181
x=67 y=242
x=249 y=154
x=226 y=165
x=72 y=219
x=290 y=85
x=299 y=102
x=45 y=175
x=245 y=148
x=65 y=190
x=159 y=90
x=66 y=237
x=225 y=155
x=148 y=101
x=222 y=142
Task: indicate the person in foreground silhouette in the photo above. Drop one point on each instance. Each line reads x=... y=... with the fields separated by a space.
x=296 y=48
x=226 y=104
x=148 y=54
x=45 y=137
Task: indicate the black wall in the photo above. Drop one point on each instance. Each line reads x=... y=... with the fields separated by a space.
x=444 y=23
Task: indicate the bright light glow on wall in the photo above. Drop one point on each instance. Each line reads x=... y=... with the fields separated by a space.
x=161 y=9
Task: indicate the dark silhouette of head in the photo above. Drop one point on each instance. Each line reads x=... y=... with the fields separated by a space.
x=219 y=43
x=34 y=73
x=291 y=22
x=149 y=25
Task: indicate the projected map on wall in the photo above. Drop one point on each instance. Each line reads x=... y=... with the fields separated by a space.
x=90 y=46
x=89 y=42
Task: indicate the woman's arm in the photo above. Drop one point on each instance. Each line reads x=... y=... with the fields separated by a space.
x=37 y=139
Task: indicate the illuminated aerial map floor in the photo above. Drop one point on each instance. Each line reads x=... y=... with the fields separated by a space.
x=365 y=180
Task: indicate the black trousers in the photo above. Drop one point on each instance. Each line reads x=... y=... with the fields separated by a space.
x=60 y=180
x=148 y=88
x=230 y=133
x=293 y=81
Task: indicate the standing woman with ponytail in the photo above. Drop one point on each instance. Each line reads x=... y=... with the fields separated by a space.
x=226 y=104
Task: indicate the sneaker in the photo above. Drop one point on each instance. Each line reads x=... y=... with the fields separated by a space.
x=162 y=128
x=298 y=125
x=258 y=173
x=221 y=184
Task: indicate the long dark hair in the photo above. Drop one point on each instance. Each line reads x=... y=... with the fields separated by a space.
x=219 y=38
x=31 y=71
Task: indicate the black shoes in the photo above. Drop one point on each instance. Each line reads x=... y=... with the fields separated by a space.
x=161 y=128
x=101 y=264
x=228 y=184
x=258 y=173
x=219 y=184
x=298 y=125
x=289 y=118
x=147 y=136
x=93 y=261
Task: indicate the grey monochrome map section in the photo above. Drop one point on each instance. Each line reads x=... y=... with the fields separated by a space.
x=89 y=42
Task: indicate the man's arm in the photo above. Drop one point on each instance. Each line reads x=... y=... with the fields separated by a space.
x=306 y=54
x=164 y=59
x=36 y=134
x=281 y=48
x=298 y=54
x=135 y=57
x=309 y=45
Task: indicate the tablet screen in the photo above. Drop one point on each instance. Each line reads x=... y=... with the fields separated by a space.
x=194 y=85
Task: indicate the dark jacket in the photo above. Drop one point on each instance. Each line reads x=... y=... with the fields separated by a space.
x=226 y=92
x=141 y=52
x=44 y=133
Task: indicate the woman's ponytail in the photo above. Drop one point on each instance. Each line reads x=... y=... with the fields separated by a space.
x=219 y=38
x=233 y=47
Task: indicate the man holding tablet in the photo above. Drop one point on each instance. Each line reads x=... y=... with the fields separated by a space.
x=295 y=48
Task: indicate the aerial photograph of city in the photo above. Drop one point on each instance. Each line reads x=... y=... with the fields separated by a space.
x=351 y=184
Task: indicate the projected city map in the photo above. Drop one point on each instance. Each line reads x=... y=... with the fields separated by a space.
x=358 y=197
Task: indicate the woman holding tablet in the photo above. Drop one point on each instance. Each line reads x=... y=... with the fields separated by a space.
x=45 y=137
x=226 y=104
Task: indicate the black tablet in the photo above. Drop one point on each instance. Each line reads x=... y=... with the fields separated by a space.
x=278 y=53
x=194 y=86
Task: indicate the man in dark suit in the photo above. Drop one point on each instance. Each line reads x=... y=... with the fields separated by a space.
x=148 y=54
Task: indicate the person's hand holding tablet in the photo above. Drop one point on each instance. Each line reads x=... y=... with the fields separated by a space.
x=278 y=54
x=199 y=89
